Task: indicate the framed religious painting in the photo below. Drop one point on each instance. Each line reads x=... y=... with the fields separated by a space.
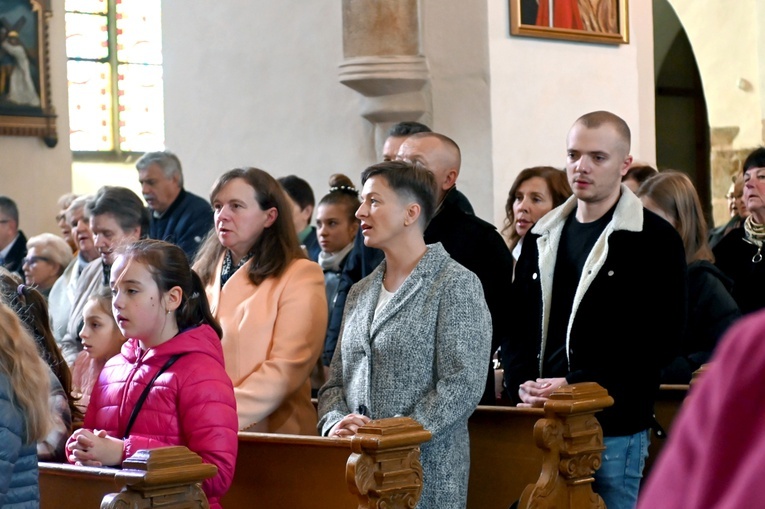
x=25 y=95
x=600 y=21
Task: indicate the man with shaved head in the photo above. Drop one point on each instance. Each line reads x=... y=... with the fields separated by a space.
x=441 y=155
x=469 y=240
x=582 y=265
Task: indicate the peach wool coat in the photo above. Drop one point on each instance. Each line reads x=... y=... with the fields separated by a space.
x=273 y=334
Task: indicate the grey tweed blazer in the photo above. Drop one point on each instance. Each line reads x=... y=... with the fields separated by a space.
x=423 y=356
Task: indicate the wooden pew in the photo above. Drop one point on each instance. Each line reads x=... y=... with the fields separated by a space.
x=517 y=451
x=504 y=457
x=509 y=448
x=316 y=472
x=168 y=477
x=667 y=405
x=380 y=465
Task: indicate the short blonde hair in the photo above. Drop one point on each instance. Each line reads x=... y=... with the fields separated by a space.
x=53 y=247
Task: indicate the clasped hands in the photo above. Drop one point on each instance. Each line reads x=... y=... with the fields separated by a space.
x=534 y=393
x=94 y=448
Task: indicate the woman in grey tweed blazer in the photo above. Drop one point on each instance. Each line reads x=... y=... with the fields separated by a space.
x=415 y=337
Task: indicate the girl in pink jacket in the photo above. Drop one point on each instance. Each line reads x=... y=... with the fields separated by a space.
x=168 y=386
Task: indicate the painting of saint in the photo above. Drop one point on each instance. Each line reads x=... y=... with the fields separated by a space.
x=19 y=65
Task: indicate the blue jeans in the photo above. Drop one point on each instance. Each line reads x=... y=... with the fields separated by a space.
x=617 y=480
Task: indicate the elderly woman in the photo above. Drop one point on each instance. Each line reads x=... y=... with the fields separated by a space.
x=415 y=337
x=61 y=297
x=47 y=257
x=740 y=253
x=269 y=300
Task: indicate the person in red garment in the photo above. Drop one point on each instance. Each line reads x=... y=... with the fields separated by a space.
x=715 y=454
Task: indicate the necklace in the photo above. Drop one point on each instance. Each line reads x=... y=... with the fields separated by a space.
x=755 y=235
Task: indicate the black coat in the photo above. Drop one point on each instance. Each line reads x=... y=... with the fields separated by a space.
x=14 y=260
x=628 y=315
x=733 y=256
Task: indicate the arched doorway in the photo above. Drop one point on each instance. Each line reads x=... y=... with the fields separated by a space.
x=682 y=126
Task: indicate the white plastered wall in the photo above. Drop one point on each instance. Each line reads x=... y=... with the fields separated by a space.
x=263 y=91
x=540 y=87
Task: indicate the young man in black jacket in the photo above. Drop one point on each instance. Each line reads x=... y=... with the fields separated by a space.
x=582 y=265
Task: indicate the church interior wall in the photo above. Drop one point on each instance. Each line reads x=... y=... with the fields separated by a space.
x=539 y=87
x=33 y=175
x=256 y=83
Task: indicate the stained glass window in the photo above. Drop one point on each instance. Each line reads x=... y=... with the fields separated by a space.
x=114 y=50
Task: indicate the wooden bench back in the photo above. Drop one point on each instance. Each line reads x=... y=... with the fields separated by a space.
x=377 y=467
x=515 y=453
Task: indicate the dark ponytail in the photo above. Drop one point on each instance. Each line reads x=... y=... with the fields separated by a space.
x=170 y=268
x=195 y=309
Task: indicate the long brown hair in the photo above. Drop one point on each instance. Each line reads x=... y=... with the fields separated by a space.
x=557 y=182
x=32 y=309
x=274 y=249
x=675 y=194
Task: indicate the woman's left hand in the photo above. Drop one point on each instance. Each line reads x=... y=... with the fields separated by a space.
x=348 y=425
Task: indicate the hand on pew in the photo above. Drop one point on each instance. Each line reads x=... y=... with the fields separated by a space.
x=534 y=393
x=348 y=425
x=94 y=449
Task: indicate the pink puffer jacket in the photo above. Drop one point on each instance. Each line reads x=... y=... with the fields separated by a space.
x=191 y=404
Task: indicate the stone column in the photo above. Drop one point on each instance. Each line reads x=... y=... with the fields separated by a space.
x=382 y=62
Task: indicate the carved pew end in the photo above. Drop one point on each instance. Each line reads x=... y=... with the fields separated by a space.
x=384 y=469
x=168 y=477
x=572 y=442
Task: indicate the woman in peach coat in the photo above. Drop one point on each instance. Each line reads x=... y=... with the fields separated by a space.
x=269 y=300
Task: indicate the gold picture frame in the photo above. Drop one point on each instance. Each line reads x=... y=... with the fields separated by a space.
x=600 y=21
x=25 y=92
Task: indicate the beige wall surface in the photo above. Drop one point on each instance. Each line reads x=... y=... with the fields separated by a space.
x=728 y=43
x=256 y=83
x=539 y=87
x=264 y=90
x=32 y=174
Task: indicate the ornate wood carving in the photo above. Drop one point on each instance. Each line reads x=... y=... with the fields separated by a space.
x=384 y=470
x=169 y=477
x=572 y=441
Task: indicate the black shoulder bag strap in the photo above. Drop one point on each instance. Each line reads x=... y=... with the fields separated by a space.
x=145 y=393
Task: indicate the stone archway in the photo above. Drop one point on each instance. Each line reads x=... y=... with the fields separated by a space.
x=727 y=44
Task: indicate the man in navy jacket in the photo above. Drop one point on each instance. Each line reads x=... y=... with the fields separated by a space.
x=177 y=216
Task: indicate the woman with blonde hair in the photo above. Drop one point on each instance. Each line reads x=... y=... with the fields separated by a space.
x=269 y=300
x=711 y=307
x=24 y=412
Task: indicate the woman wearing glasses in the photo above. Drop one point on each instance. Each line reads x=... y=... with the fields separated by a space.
x=47 y=257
